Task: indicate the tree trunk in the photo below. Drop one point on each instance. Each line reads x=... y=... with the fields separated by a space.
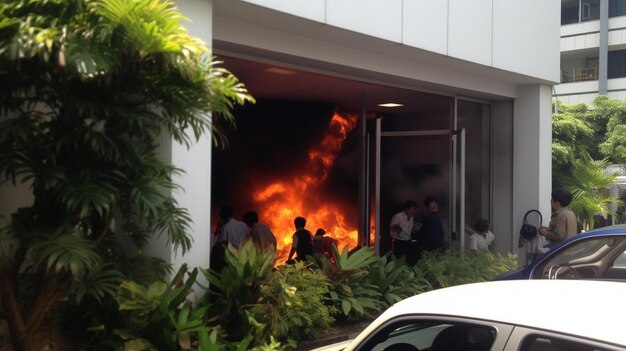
x=27 y=334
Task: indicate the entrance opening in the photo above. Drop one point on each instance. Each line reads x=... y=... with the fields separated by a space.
x=317 y=146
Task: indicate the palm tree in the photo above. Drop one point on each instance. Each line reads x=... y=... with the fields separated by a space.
x=586 y=183
x=87 y=86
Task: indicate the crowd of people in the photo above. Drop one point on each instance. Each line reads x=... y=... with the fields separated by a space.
x=410 y=238
x=235 y=232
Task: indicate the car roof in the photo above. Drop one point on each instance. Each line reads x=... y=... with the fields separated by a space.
x=589 y=309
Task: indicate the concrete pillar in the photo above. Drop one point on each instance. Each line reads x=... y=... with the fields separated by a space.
x=603 y=53
x=196 y=163
x=532 y=158
x=502 y=178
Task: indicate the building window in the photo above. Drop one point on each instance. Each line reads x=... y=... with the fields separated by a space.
x=579 y=69
x=570 y=11
x=617 y=64
x=590 y=10
x=575 y=11
x=617 y=8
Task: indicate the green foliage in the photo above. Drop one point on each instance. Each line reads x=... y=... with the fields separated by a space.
x=586 y=184
x=88 y=86
x=572 y=135
x=161 y=318
x=394 y=280
x=247 y=302
x=351 y=293
x=309 y=309
x=451 y=268
x=597 y=130
x=613 y=119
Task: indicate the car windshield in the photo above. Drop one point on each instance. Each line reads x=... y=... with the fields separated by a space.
x=589 y=251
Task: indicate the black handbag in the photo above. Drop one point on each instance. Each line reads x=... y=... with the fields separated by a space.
x=529 y=231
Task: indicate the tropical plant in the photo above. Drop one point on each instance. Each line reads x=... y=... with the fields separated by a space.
x=608 y=117
x=453 y=268
x=394 y=280
x=160 y=317
x=87 y=87
x=311 y=308
x=351 y=294
x=248 y=302
x=586 y=183
x=571 y=136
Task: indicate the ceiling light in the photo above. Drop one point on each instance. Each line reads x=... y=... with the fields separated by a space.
x=283 y=71
x=391 y=104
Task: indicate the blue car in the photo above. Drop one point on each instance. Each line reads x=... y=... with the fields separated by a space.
x=598 y=254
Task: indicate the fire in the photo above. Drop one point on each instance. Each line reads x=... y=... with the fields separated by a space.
x=282 y=201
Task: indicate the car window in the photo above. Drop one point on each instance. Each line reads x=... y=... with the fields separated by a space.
x=581 y=252
x=620 y=261
x=409 y=335
x=550 y=343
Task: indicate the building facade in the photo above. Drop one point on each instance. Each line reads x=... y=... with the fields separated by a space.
x=593 y=50
x=475 y=79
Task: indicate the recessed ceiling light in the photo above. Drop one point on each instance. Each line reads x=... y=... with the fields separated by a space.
x=283 y=71
x=390 y=104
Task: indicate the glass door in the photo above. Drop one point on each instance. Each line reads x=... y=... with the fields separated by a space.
x=413 y=165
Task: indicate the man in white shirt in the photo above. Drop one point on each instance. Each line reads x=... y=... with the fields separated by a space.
x=400 y=229
x=231 y=230
x=481 y=237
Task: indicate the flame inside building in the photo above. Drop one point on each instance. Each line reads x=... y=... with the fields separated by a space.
x=283 y=200
x=286 y=160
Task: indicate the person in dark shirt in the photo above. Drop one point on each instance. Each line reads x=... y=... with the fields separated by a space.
x=302 y=245
x=430 y=236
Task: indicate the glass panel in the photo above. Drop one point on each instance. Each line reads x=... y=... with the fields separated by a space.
x=617 y=8
x=569 y=11
x=431 y=335
x=590 y=10
x=475 y=118
x=579 y=69
x=582 y=254
x=434 y=113
x=412 y=168
x=549 y=343
x=617 y=64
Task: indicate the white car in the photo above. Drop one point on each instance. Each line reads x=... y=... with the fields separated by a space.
x=521 y=315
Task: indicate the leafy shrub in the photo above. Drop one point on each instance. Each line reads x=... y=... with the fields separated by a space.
x=156 y=317
x=394 y=280
x=452 y=268
x=351 y=294
x=312 y=297
x=251 y=302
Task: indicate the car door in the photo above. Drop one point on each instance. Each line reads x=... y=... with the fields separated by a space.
x=434 y=333
x=528 y=339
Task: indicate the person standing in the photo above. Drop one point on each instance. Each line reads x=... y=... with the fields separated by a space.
x=229 y=230
x=400 y=228
x=232 y=231
x=481 y=237
x=302 y=245
x=261 y=235
x=430 y=236
x=563 y=224
x=322 y=244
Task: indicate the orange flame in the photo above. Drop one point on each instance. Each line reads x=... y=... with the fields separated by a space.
x=282 y=201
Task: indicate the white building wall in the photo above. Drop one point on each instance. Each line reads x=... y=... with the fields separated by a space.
x=470 y=30
x=314 y=10
x=380 y=19
x=521 y=29
x=504 y=34
x=425 y=25
x=532 y=155
x=195 y=182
